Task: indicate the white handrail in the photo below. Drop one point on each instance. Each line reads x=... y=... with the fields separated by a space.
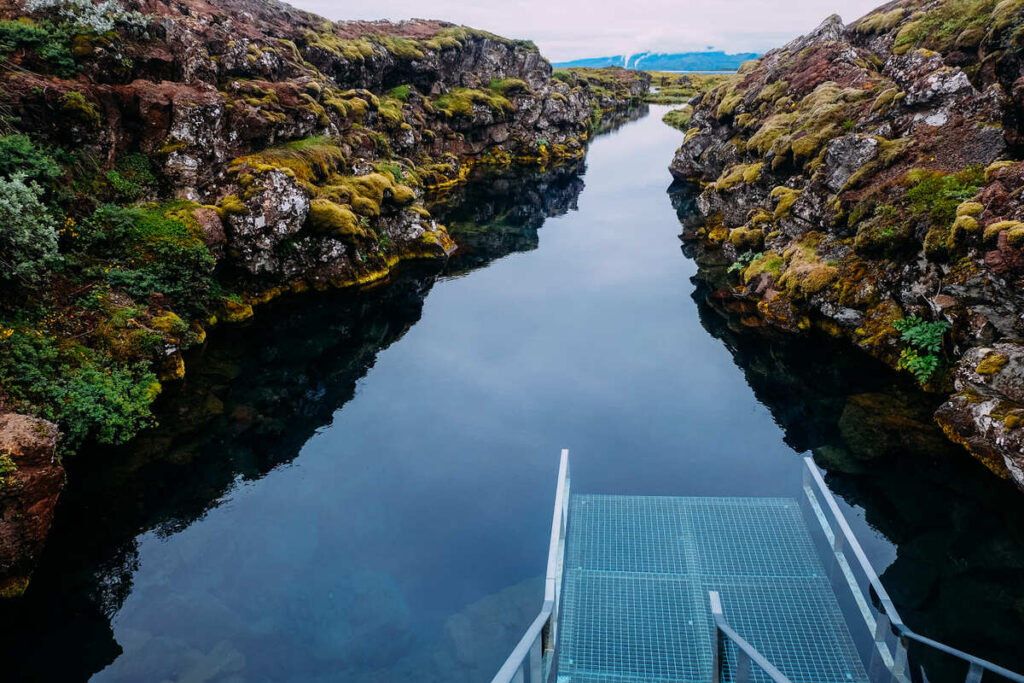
x=534 y=641
x=845 y=536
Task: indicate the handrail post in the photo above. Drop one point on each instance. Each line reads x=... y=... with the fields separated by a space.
x=716 y=662
x=745 y=652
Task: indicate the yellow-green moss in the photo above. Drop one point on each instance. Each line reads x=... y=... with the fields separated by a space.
x=747 y=239
x=309 y=160
x=329 y=217
x=879 y=22
x=787 y=198
x=74 y=104
x=460 y=102
x=993 y=230
x=991 y=364
x=769 y=262
x=991 y=169
x=740 y=173
x=970 y=209
x=231 y=204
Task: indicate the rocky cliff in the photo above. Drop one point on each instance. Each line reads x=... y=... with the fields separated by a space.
x=165 y=167
x=865 y=180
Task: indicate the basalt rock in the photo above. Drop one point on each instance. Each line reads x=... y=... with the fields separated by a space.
x=31 y=479
x=870 y=172
x=279 y=151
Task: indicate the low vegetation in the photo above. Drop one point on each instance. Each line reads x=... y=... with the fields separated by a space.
x=673 y=88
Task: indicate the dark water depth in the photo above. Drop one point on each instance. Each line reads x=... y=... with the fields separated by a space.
x=358 y=486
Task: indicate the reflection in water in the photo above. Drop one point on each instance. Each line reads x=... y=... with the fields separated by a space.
x=500 y=210
x=400 y=545
x=254 y=395
x=957 y=574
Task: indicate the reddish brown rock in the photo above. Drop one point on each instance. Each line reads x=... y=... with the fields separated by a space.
x=31 y=479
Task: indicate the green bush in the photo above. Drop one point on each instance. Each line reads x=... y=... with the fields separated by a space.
x=18 y=154
x=28 y=233
x=132 y=178
x=150 y=251
x=110 y=405
x=87 y=397
x=51 y=44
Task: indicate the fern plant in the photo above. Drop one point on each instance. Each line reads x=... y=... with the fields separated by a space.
x=924 y=339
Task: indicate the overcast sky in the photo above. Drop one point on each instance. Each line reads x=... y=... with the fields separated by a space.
x=569 y=29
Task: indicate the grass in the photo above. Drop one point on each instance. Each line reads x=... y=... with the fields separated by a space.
x=680 y=88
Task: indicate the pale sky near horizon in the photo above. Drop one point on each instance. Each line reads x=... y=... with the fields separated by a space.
x=571 y=29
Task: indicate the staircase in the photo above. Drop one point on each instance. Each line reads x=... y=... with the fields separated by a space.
x=638 y=573
x=704 y=590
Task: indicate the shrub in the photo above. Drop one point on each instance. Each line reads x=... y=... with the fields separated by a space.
x=132 y=178
x=28 y=233
x=86 y=397
x=83 y=15
x=110 y=405
x=18 y=154
x=50 y=44
x=151 y=251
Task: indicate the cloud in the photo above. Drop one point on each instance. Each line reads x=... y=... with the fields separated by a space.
x=567 y=29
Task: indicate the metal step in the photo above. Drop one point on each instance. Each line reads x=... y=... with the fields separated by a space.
x=638 y=571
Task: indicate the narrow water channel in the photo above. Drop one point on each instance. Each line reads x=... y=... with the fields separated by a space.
x=358 y=487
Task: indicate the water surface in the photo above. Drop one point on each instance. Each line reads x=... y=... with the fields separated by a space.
x=358 y=486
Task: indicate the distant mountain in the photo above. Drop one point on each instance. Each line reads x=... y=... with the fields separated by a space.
x=680 y=61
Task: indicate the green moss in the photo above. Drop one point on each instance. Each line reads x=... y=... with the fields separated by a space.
x=74 y=104
x=8 y=471
x=769 y=262
x=679 y=118
x=328 y=217
x=787 y=198
x=509 y=86
x=403 y=48
x=460 y=102
x=740 y=173
x=939 y=194
x=938 y=27
x=883 y=237
x=400 y=92
x=879 y=22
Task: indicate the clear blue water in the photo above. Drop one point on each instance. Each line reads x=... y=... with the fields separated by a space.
x=358 y=487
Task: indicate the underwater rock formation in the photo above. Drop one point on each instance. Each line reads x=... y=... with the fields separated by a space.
x=864 y=180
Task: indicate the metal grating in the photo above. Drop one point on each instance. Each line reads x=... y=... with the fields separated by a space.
x=638 y=570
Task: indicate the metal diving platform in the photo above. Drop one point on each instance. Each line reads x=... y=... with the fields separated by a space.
x=660 y=589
